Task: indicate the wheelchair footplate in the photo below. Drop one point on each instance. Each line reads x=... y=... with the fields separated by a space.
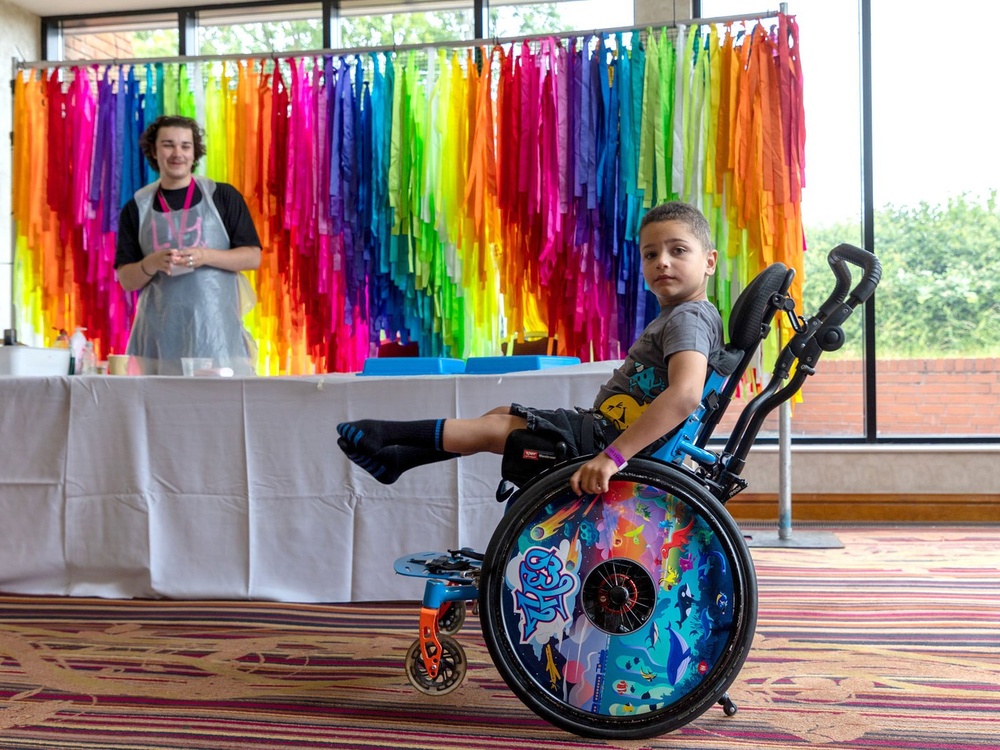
x=454 y=566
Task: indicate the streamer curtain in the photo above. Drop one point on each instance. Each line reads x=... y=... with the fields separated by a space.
x=455 y=197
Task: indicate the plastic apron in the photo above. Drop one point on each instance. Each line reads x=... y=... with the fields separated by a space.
x=196 y=314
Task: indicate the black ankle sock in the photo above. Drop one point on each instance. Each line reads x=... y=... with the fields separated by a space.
x=387 y=464
x=369 y=436
x=405 y=457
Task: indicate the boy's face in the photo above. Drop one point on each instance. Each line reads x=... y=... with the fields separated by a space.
x=675 y=264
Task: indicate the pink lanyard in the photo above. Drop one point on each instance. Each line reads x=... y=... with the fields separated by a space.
x=169 y=216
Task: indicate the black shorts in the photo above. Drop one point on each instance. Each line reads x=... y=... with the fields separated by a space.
x=568 y=425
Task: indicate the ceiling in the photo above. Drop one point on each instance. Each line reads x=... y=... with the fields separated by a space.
x=84 y=7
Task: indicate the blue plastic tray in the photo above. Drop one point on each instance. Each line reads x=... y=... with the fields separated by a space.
x=413 y=366
x=515 y=363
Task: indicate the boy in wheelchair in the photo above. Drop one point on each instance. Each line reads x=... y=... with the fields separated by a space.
x=659 y=384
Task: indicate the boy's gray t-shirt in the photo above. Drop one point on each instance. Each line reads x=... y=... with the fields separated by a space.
x=689 y=326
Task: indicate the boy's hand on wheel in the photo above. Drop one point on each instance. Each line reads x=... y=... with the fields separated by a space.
x=593 y=477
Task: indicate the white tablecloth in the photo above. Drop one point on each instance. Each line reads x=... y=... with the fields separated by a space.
x=235 y=488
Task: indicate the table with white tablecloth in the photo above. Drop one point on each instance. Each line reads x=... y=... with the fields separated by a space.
x=234 y=488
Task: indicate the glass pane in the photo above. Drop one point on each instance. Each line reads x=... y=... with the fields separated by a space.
x=832 y=402
x=371 y=24
x=120 y=39
x=937 y=225
x=255 y=30
x=527 y=18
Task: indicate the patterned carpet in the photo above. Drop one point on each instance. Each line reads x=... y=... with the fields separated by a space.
x=891 y=642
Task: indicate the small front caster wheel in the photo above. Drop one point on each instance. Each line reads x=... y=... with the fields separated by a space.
x=728 y=707
x=451 y=669
x=451 y=617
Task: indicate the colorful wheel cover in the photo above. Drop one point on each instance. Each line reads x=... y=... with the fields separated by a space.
x=619 y=604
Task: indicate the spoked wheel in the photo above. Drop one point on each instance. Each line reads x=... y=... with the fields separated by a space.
x=621 y=616
x=451 y=670
x=451 y=617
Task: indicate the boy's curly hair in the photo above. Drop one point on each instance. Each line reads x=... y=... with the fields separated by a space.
x=147 y=141
x=686 y=214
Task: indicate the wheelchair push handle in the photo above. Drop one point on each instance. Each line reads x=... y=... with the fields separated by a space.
x=838 y=259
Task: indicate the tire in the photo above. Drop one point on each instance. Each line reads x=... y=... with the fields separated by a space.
x=452 y=672
x=621 y=616
x=451 y=617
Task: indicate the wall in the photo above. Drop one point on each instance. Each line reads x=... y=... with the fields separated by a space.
x=957 y=397
x=19 y=40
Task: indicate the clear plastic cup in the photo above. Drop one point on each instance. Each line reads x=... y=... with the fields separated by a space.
x=196 y=366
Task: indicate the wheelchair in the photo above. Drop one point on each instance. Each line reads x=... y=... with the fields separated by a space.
x=628 y=614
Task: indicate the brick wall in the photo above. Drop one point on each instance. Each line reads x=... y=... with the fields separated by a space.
x=916 y=397
x=109 y=46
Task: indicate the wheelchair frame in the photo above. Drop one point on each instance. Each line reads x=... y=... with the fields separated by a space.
x=623 y=597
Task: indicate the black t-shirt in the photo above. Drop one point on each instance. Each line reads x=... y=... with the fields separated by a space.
x=232 y=208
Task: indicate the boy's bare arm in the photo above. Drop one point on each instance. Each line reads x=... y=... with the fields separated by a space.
x=686 y=372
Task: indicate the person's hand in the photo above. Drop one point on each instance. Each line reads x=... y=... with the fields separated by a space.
x=593 y=477
x=161 y=260
x=189 y=257
x=192 y=257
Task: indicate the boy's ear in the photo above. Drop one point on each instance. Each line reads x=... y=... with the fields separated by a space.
x=713 y=257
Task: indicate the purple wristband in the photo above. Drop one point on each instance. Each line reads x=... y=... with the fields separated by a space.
x=618 y=458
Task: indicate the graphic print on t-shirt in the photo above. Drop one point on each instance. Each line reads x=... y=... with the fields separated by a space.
x=624 y=408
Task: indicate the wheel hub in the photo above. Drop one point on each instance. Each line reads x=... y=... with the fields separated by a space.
x=619 y=596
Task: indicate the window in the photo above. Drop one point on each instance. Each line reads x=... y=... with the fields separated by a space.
x=833 y=400
x=253 y=30
x=511 y=19
x=937 y=224
x=120 y=38
x=367 y=23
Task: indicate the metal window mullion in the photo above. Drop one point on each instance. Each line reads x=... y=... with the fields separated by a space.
x=331 y=23
x=868 y=221
x=480 y=20
x=187 y=32
x=51 y=39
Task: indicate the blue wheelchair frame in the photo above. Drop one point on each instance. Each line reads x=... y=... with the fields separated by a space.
x=436 y=662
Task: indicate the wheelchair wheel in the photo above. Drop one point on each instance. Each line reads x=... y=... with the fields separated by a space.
x=452 y=670
x=620 y=616
x=451 y=617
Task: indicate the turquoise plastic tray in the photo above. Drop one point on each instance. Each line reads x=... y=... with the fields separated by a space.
x=413 y=366
x=515 y=363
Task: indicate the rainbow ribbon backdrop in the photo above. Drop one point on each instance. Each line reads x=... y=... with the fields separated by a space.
x=475 y=195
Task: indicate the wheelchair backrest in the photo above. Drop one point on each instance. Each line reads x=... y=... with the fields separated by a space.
x=749 y=324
